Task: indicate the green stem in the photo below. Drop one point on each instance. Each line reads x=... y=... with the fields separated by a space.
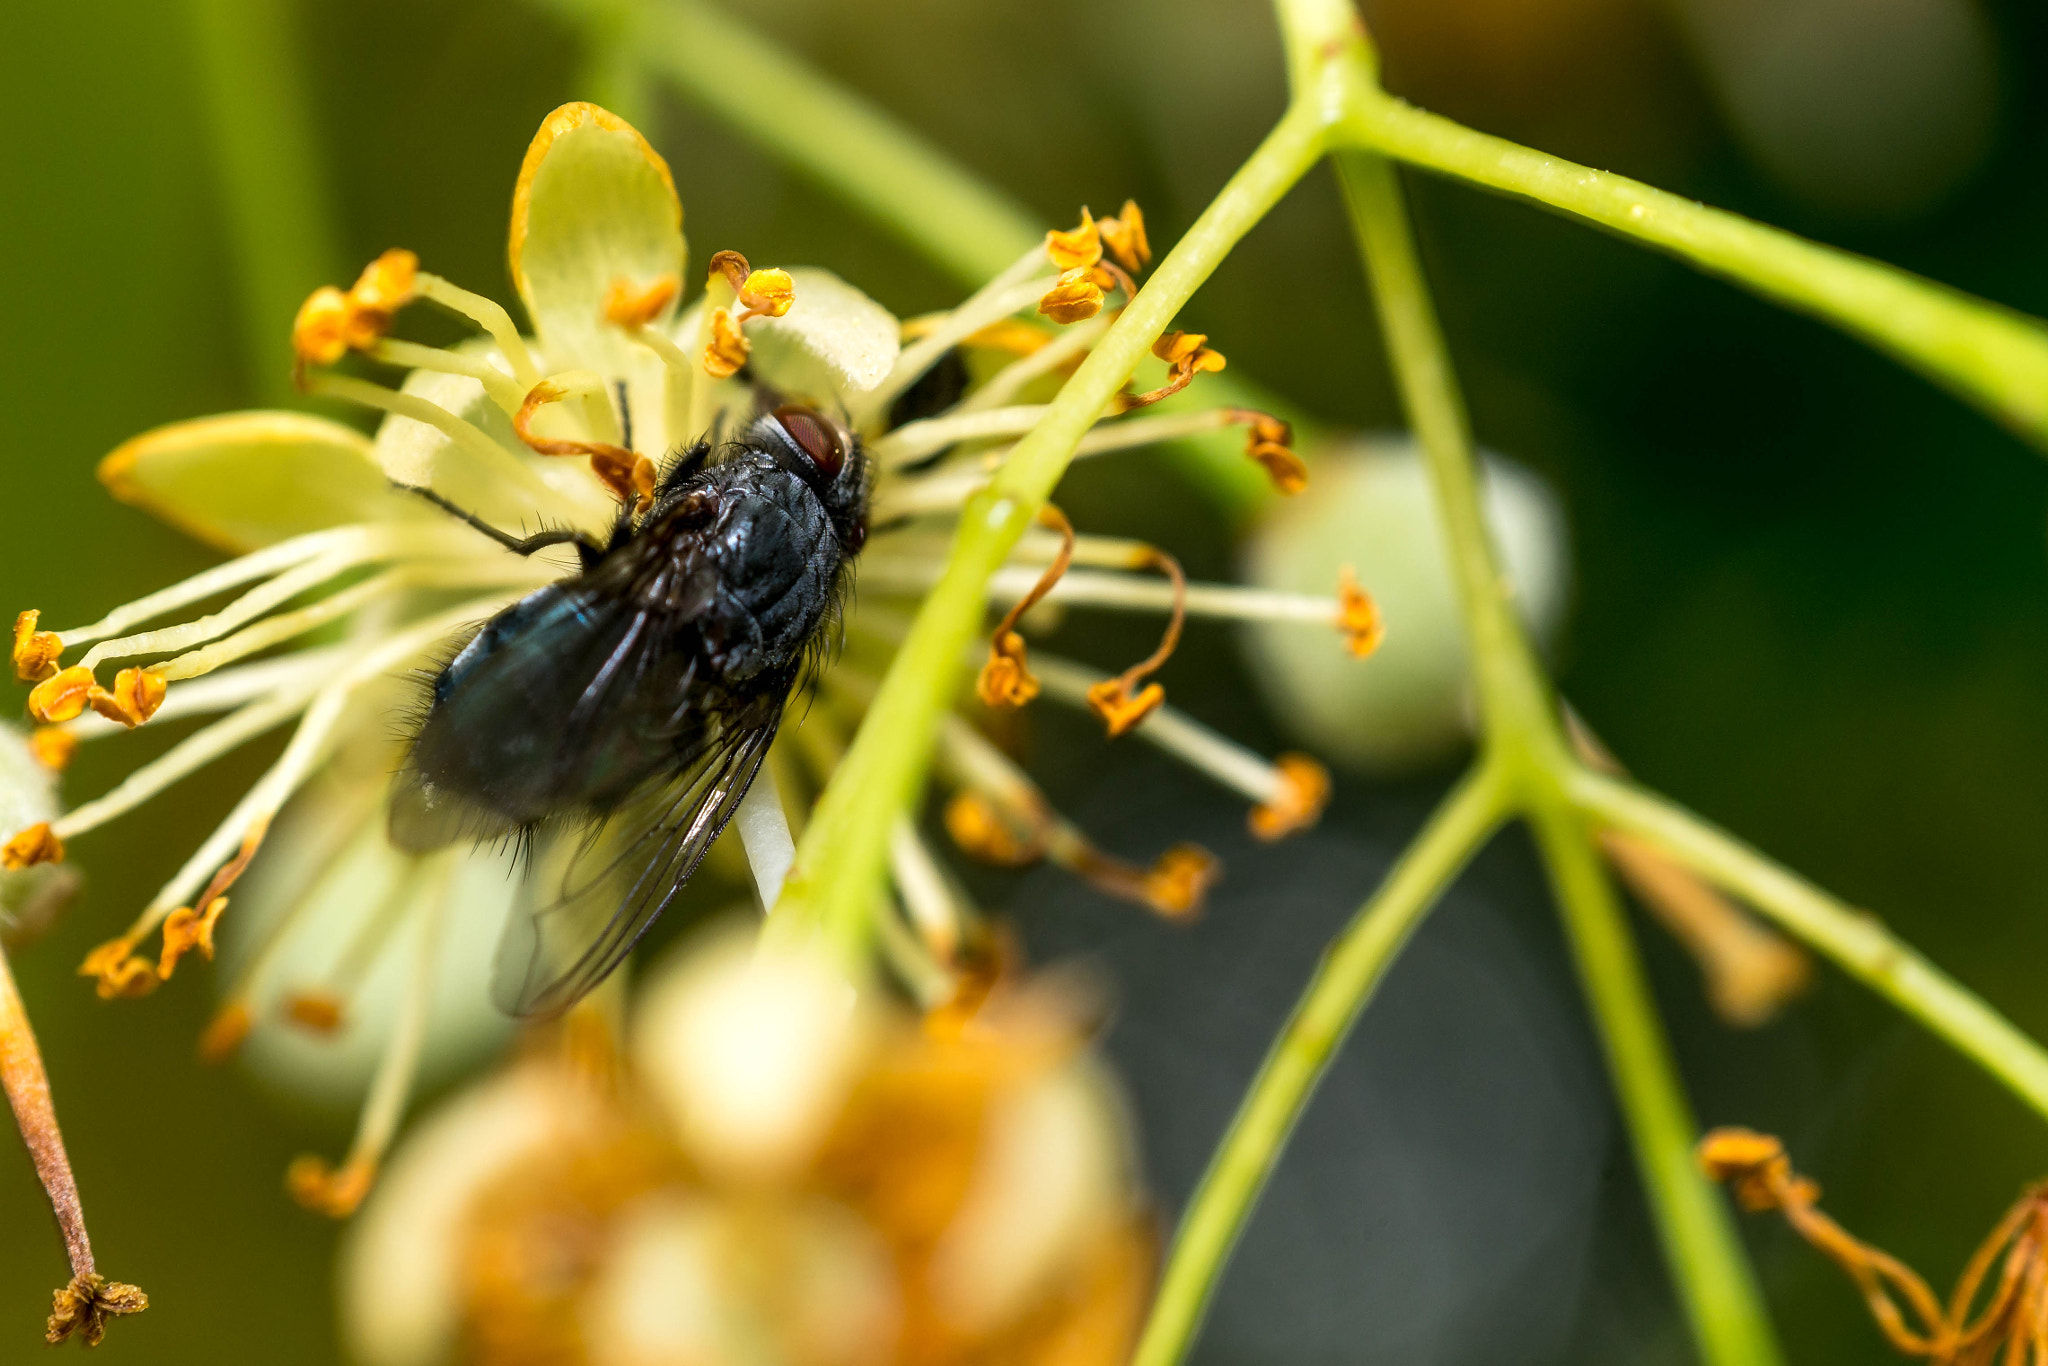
x=845 y=848
x=1522 y=735
x=1701 y=1245
x=279 y=220
x=1988 y=355
x=1514 y=697
x=1854 y=939
x=1350 y=971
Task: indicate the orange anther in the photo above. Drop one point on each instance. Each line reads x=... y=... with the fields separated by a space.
x=52 y=747
x=1006 y=679
x=767 y=293
x=1186 y=354
x=386 y=284
x=225 y=1031
x=30 y=847
x=320 y=332
x=726 y=353
x=1124 y=235
x=1113 y=701
x=729 y=266
x=317 y=1011
x=1074 y=298
x=1358 y=616
x=1303 y=791
x=186 y=929
x=1075 y=248
x=62 y=695
x=136 y=696
x=619 y=468
x=332 y=1192
x=629 y=305
x=1176 y=884
x=981 y=832
x=35 y=652
x=1012 y=335
x=118 y=972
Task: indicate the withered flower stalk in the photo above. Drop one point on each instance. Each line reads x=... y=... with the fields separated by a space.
x=84 y=1305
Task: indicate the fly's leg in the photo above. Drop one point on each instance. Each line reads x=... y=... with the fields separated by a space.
x=588 y=551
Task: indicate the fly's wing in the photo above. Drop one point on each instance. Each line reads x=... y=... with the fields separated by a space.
x=569 y=700
x=594 y=893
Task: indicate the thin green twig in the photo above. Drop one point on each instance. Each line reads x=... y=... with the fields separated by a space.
x=1712 y=1275
x=840 y=862
x=280 y=223
x=1344 y=982
x=1990 y=356
x=1854 y=939
x=1701 y=1245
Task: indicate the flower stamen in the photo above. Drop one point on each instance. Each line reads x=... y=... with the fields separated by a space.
x=1186 y=354
x=35 y=652
x=1124 y=235
x=628 y=474
x=336 y=1191
x=52 y=747
x=332 y=323
x=1269 y=444
x=1113 y=700
x=1006 y=680
x=1358 y=616
x=32 y=846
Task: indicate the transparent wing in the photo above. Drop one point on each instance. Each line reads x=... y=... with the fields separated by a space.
x=592 y=893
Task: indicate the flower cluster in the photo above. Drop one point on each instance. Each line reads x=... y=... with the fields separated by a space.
x=779 y=1168
x=344 y=577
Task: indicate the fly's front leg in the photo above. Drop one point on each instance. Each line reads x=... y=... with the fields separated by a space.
x=587 y=550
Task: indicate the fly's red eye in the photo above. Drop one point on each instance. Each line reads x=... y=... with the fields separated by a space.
x=815 y=436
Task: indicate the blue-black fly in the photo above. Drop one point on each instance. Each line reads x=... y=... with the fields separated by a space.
x=615 y=719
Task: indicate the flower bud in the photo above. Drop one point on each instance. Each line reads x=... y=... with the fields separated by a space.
x=1409 y=705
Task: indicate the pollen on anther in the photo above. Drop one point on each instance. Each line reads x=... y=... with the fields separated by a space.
x=117 y=971
x=35 y=652
x=1006 y=679
x=980 y=832
x=225 y=1031
x=767 y=293
x=61 y=696
x=1124 y=235
x=31 y=846
x=326 y=1190
x=1119 y=708
x=1177 y=883
x=1075 y=297
x=726 y=353
x=318 y=1012
x=186 y=929
x=1358 y=616
x=52 y=747
x=136 y=695
x=1303 y=792
x=1075 y=248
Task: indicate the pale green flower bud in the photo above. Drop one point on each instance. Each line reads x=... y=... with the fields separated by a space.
x=1369 y=505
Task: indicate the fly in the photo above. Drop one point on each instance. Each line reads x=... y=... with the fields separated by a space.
x=616 y=718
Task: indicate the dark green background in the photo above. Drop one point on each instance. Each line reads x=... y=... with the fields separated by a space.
x=1811 y=590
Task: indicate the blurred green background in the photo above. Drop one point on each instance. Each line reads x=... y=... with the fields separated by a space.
x=1812 y=593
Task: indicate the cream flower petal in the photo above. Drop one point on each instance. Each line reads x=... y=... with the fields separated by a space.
x=594 y=204
x=245 y=480
x=834 y=342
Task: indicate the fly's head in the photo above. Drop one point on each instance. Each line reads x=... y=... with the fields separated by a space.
x=826 y=455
